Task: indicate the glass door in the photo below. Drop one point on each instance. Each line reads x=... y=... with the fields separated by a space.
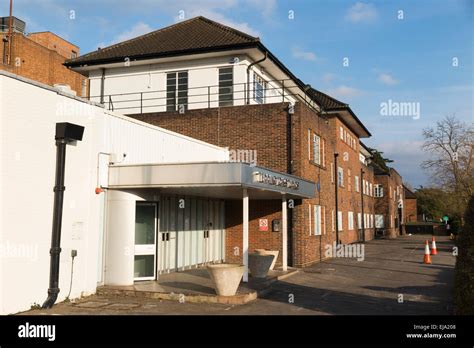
x=145 y=241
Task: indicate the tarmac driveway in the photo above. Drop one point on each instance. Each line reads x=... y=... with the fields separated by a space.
x=391 y=280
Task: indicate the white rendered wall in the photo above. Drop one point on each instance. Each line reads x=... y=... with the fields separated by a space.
x=203 y=79
x=28 y=114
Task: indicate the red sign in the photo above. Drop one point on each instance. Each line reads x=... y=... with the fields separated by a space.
x=263 y=224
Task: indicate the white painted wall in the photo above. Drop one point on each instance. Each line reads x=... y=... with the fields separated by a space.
x=203 y=78
x=28 y=114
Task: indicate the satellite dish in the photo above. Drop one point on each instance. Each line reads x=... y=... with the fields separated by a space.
x=234 y=60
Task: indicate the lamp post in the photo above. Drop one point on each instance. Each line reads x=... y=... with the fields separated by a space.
x=65 y=133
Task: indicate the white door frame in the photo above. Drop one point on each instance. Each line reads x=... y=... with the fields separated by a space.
x=148 y=249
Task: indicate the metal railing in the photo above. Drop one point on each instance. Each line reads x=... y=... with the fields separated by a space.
x=209 y=96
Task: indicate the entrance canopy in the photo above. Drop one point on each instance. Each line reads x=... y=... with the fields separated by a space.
x=214 y=179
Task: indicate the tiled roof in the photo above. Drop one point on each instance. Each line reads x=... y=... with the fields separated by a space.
x=198 y=34
x=325 y=101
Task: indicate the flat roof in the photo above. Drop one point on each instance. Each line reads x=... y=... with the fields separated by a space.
x=211 y=179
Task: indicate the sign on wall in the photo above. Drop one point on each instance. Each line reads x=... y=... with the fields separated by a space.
x=263 y=224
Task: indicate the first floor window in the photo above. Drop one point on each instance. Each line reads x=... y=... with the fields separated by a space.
x=379 y=221
x=317 y=220
x=332 y=220
x=359 y=220
x=339 y=220
x=378 y=190
x=176 y=90
x=340 y=176
x=226 y=86
x=342 y=133
x=316 y=149
x=350 y=220
x=259 y=87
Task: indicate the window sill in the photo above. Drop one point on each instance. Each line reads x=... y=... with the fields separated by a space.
x=317 y=165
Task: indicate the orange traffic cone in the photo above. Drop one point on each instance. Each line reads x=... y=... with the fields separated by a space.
x=433 y=247
x=427 y=258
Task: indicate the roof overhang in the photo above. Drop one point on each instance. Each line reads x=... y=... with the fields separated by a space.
x=347 y=116
x=218 y=180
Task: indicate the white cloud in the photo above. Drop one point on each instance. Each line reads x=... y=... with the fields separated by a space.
x=362 y=12
x=303 y=55
x=328 y=77
x=138 y=29
x=387 y=79
x=345 y=92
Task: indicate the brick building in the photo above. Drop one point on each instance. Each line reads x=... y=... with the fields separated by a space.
x=214 y=83
x=389 y=202
x=40 y=57
x=410 y=211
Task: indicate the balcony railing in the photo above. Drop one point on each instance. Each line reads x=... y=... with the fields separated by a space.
x=202 y=97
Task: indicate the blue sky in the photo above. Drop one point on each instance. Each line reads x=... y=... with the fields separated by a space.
x=423 y=55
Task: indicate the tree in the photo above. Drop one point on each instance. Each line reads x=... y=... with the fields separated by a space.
x=451 y=145
x=382 y=162
x=430 y=203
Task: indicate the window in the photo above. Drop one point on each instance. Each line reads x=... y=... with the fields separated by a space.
x=341 y=131
x=349 y=182
x=323 y=149
x=363 y=186
x=317 y=220
x=73 y=54
x=309 y=219
x=379 y=221
x=367 y=192
x=316 y=149
x=339 y=220
x=391 y=220
x=350 y=220
x=372 y=221
x=309 y=144
x=378 y=190
x=259 y=87
x=356 y=183
x=370 y=190
x=359 y=220
x=324 y=219
x=340 y=176
x=390 y=191
x=332 y=220
x=226 y=86
x=176 y=90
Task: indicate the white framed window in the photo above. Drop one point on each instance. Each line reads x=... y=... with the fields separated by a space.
x=176 y=90
x=370 y=190
x=379 y=223
x=324 y=219
x=350 y=220
x=339 y=220
x=340 y=176
x=316 y=149
x=332 y=220
x=356 y=179
x=323 y=152
x=378 y=190
x=341 y=131
x=363 y=186
x=309 y=144
x=317 y=220
x=259 y=88
x=372 y=221
x=367 y=188
x=226 y=86
x=349 y=182
x=309 y=218
x=359 y=220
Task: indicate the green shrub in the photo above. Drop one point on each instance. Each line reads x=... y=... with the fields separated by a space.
x=464 y=277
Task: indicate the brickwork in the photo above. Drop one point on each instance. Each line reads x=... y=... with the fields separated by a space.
x=388 y=205
x=34 y=61
x=264 y=128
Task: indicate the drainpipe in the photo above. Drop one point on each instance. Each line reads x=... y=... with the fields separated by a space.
x=248 y=74
x=10 y=33
x=336 y=182
x=102 y=86
x=65 y=132
x=361 y=186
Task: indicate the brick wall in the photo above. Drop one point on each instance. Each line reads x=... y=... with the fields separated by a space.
x=264 y=128
x=410 y=211
x=388 y=204
x=54 y=43
x=34 y=61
